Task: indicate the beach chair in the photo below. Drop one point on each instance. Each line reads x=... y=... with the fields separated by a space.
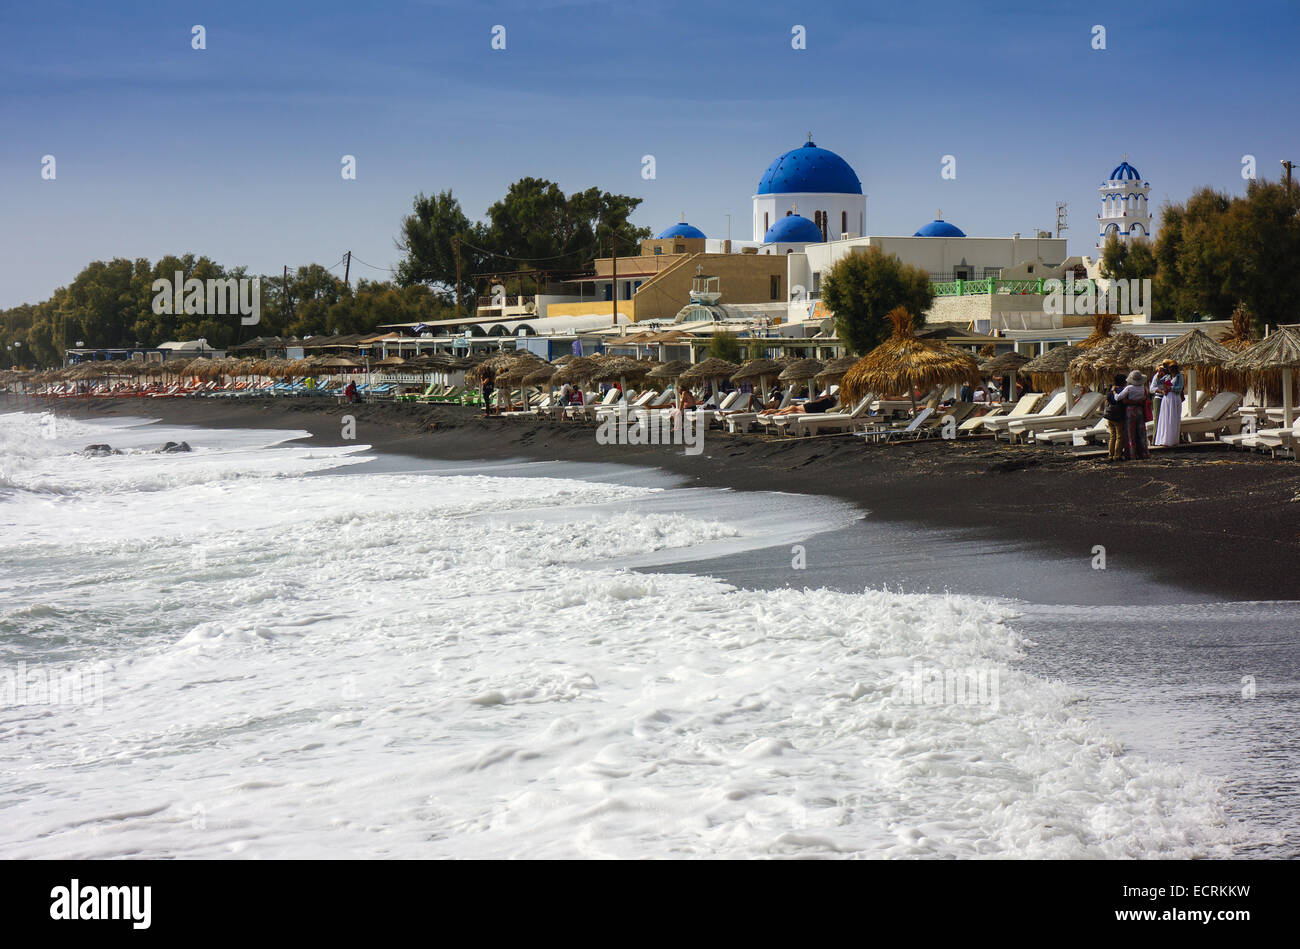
x=1072 y=436
x=1084 y=412
x=1219 y=415
x=642 y=401
x=886 y=433
x=735 y=402
x=1054 y=406
x=588 y=409
x=827 y=421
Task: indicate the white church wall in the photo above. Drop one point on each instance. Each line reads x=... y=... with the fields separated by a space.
x=838 y=207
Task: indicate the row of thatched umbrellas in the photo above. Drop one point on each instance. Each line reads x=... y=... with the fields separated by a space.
x=901 y=363
x=523 y=368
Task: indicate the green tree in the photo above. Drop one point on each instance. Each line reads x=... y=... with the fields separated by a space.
x=535 y=226
x=725 y=345
x=862 y=288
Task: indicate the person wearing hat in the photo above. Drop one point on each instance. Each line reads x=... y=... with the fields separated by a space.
x=1134 y=397
x=1167 y=386
x=1116 y=414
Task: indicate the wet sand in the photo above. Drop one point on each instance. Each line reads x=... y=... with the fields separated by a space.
x=1219 y=523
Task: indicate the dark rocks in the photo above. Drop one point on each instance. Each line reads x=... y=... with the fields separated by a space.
x=99 y=451
x=172 y=447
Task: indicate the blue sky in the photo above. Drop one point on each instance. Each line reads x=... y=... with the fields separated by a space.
x=234 y=151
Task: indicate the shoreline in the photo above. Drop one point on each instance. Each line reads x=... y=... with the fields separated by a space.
x=1212 y=522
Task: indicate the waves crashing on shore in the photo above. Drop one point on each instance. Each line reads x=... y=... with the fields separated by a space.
x=417 y=665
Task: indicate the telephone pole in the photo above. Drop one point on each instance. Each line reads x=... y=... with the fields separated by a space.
x=613 y=261
x=1287 y=166
x=347 y=267
x=455 y=243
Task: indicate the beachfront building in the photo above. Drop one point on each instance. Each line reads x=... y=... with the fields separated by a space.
x=1125 y=211
x=961 y=268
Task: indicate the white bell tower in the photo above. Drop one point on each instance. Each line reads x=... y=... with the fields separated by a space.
x=1124 y=206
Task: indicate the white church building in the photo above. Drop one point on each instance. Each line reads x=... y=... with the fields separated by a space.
x=819 y=186
x=1125 y=210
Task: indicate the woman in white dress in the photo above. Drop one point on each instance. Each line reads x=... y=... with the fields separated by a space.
x=1168 y=381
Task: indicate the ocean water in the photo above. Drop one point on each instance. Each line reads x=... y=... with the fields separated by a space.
x=264 y=649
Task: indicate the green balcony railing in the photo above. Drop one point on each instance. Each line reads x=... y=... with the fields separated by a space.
x=991 y=285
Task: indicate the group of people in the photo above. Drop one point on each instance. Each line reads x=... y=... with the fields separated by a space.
x=1129 y=408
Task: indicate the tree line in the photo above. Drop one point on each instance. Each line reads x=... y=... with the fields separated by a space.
x=1215 y=252
x=110 y=304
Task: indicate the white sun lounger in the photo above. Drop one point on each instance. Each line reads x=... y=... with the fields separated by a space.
x=1083 y=412
x=1218 y=415
x=825 y=421
x=1054 y=407
x=894 y=431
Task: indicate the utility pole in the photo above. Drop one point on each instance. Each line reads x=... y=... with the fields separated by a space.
x=347 y=267
x=288 y=304
x=613 y=261
x=455 y=243
x=1287 y=166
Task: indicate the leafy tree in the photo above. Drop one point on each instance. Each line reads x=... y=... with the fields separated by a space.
x=862 y=288
x=535 y=225
x=725 y=345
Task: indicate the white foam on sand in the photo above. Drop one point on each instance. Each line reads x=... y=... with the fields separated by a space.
x=427 y=666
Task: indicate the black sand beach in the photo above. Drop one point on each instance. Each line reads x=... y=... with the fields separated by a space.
x=1217 y=522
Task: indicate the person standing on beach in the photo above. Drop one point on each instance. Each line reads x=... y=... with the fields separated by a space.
x=488 y=388
x=1169 y=419
x=1116 y=414
x=1134 y=397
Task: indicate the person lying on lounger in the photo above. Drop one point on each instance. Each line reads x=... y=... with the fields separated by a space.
x=810 y=407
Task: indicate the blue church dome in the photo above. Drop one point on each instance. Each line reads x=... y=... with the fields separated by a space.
x=940 y=228
x=809 y=169
x=793 y=229
x=1125 y=172
x=681 y=230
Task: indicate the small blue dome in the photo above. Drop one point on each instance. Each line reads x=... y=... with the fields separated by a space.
x=809 y=170
x=793 y=229
x=940 y=228
x=681 y=230
x=1125 y=172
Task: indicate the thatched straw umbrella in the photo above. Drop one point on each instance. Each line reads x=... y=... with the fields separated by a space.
x=713 y=369
x=1008 y=364
x=802 y=370
x=1096 y=366
x=1278 y=353
x=621 y=368
x=760 y=369
x=1192 y=351
x=578 y=370
x=905 y=362
x=1045 y=369
x=669 y=370
x=834 y=370
x=1242 y=336
x=1102 y=324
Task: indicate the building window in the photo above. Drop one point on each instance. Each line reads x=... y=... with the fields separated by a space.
x=776 y=286
x=817 y=281
x=765 y=225
x=679 y=248
x=658 y=249
x=844 y=223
